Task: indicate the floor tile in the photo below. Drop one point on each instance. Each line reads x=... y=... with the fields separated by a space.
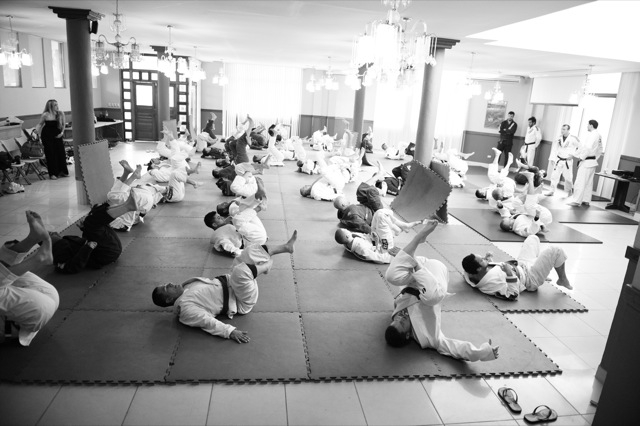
x=382 y=403
x=169 y=405
x=533 y=391
x=575 y=386
x=561 y=325
x=479 y=402
x=248 y=405
x=78 y=405
x=588 y=348
x=528 y=325
x=495 y=423
x=563 y=421
x=589 y=417
x=560 y=353
x=323 y=403
x=24 y=405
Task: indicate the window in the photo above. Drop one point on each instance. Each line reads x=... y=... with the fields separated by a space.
x=12 y=78
x=37 y=69
x=57 y=60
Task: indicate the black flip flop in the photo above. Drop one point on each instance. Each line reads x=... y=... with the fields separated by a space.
x=510 y=398
x=546 y=415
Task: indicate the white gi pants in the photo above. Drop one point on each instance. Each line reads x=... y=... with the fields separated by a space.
x=242 y=280
x=537 y=265
x=382 y=224
x=582 y=188
x=250 y=227
x=562 y=168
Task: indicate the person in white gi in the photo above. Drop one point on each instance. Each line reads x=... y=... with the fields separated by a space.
x=588 y=153
x=365 y=247
x=507 y=280
x=526 y=218
x=198 y=301
x=27 y=300
x=561 y=160
x=226 y=239
x=329 y=185
x=417 y=308
x=146 y=197
x=502 y=188
x=532 y=140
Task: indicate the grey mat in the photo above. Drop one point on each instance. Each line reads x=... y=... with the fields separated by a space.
x=276 y=351
x=107 y=347
x=591 y=215
x=167 y=252
x=455 y=234
x=518 y=355
x=487 y=224
x=423 y=194
x=323 y=255
x=355 y=291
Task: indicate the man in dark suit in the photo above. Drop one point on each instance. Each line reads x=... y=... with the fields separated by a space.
x=507 y=130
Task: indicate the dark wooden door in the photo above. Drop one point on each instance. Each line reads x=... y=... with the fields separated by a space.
x=145 y=111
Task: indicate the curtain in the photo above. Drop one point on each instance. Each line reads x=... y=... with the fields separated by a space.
x=623 y=129
x=453 y=106
x=269 y=94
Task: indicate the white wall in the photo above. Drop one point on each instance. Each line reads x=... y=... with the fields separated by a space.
x=517 y=97
x=211 y=94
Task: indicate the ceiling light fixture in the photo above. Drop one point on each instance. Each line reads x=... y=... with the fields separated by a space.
x=585 y=94
x=327 y=82
x=221 y=78
x=9 y=53
x=120 y=57
x=496 y=95
x=167 y=63
x=392 y=49
x=196 y=73
x=472 y=88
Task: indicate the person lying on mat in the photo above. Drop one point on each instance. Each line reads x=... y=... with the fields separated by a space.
x=507 y=280
x=523 y=183
x=358 y=217
x=99 y=244
x=417 y=308
x=198 y=301
x=365 y=247
x=502 y=187
x=26 y=300
x=526 y=218
x=458 y=167
x=329 y=185
x=243 y=214
x=227 y=240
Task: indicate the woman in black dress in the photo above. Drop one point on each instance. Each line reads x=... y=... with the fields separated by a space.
x=51 y=130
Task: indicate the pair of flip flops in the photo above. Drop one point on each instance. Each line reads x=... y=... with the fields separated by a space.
x=541 y=414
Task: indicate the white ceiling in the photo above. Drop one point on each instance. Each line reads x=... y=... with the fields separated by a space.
x=306 y=33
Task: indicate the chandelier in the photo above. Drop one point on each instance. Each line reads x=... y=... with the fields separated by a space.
x=196 y=73
x=327 y=82
x=9 y=54
x=471 y=87
x=392 y=49
x=585 y=95
x=120 y=57
x=167 y=63
x=221 y=78
x=494 y=96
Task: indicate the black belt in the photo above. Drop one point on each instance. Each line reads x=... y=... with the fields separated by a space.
x=412 y=291
x=225 y=294
x=593 y=157
x=529 y=143
x=562 y=159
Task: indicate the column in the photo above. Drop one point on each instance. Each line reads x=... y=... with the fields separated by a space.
x=358 y=109
x=163 y=93
x=80 y=87
x=429 y=103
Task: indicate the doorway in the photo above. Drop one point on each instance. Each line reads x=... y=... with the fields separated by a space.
x=145 y=111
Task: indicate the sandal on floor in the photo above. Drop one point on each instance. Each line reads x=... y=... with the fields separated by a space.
x=510 y=397
x=542 y=414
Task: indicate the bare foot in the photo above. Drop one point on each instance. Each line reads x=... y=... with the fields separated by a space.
x=428 y=229
x=465 y=156
x=564 y=282
x=496 y=150
x=197 y=184
x=138 y=172
x=37 y=230
x=519 y=164
x=197 y=171
x=494 y=348
x=126 y=166
x=45 y=253
x=289 y=245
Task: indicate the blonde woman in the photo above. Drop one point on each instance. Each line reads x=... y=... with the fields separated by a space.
x=51 y=130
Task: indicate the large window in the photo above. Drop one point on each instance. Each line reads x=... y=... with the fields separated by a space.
x=57 y=60
x=37 y=69
x=12 y=78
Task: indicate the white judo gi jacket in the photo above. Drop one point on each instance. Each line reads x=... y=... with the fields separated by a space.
x=431 y=281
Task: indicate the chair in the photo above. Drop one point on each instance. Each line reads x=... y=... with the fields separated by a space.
x=31 y=162
x=12 y=149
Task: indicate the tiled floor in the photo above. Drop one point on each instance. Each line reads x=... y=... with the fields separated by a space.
x=574 y=341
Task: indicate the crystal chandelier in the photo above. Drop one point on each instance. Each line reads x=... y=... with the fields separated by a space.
x=392 y=49
x=9 y=54
x=120 y=57
x=220 y=79
x=167 y=63
x=327 y=82
x=494 y=96
x=585 y=95
x=196 y=73
x=471 y=87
